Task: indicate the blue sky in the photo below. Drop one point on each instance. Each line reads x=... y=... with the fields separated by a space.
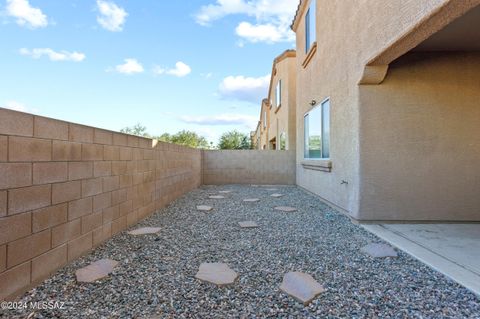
x=170 y=65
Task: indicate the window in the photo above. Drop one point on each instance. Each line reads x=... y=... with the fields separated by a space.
x=283 y=141
x=278 y=93
x=317 y=131
x=310 y=26
x=265 y=119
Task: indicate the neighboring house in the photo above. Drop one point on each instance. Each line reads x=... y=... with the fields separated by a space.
x=255 y=138
x=278 y=113
x=388 y=107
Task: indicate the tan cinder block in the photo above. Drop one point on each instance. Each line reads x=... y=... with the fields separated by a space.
x=119 y=167
x=13 y=175
x=91 y=222
x=3 y=149
x=15 y=123
x=103 y=168
x=91 y=187
x=102 y=201
x=66 y=151
x=26 y=248
x=46 y=264
x=111 y=153
x=49 y=217
x=12 y=280
x=126 y=207
x=45 y=173
x=29 y=198
x=111 y=213
x=132 y=218
x=92 y=152
x=119 y=196
x=3 y=203
x=50 y=128
x=132 y=141
x=80 y=133
x=111 y=183
x=66 y=232
x=64 y=192
x=15 y=227
x=80 y=170
x=126 y=154
x=119 y=224
x=79 y=246
x=125 y=181
x=26 y=149
x=120 y=139
x=103 y=137
x=3 y=258
x=80 y=208
x=102 y=233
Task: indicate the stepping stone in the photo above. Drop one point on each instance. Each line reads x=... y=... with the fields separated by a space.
x=286 y=209
x=248 y=224
x=301 y=286
x=144 y=231
x=379 y=250
x=225 y=192
x=271 y=189
x=216 y=197
x=216 y=273
x=96 y=270
x=277 y=195
x=204 y=208
x=251 y=200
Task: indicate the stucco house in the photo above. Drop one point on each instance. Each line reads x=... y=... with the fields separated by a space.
x=388 y=107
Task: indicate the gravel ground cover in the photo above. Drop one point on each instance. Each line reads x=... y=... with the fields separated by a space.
x=155 y=275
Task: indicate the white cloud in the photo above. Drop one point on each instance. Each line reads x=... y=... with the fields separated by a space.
x=180 y=70
x=221 y=119
x=272 y=18
x=112 y=17
x=244 y=88
x=25 y=14
x=131 y=66
x=53 y=55
x=17 y=106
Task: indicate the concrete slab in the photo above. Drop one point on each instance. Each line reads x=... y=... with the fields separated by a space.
x=301 y=286
x=204 y=208
x=286 y=209
x=144 y=231
x=216 y=273
x=96 y=270
x=379 y=250
x=452 y=249
x=248 y=224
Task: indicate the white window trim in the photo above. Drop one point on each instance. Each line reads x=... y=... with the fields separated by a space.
x=328 y=159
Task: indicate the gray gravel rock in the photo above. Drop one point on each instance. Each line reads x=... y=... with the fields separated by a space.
x=155 y=276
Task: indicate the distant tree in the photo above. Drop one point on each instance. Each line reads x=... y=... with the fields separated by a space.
x=234 y=140
x=186 y=138
x=138 y=129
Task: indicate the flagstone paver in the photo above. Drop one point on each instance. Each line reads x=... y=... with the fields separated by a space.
x=377 y=250
x=277 y=195
x=248 y=224
x=216 y=273
x=144 y=231
x=286 y=209
x=96 y=270
x=301 y=286
x=204 y=208
x=251 y=200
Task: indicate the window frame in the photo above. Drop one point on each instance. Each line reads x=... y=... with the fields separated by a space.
x=310 y=26
x=278 y=94
x=306 y=128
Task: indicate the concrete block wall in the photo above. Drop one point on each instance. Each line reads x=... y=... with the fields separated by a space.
x=248 y=167
x=65 y=188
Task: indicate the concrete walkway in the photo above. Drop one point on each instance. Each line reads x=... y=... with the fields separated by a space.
x=452 y=249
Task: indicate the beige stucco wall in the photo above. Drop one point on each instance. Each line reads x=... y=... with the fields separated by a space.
x=282 y=119
x=248 y=167
x=420 y=140
x=350 y=36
